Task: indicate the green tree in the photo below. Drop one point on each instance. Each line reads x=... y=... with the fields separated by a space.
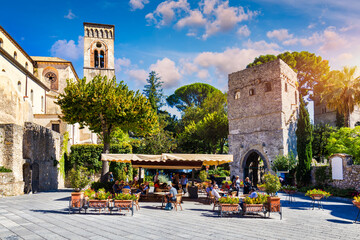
x=153 y=91
x=304 y=145
x=341 y=92
x=284 y=163
x=104 y=105
x=190 y=95
x=309 y=67
x=345 y=140
x=321 y=134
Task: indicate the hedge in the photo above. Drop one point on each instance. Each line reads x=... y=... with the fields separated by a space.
x=89 y=155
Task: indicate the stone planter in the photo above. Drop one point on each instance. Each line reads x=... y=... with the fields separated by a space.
x=357 y=204
x=273 y=204
x=77 y=199
x=316 y=196
x=94 y=203
x=253 y=207
x=225 y=207
x=123 y=203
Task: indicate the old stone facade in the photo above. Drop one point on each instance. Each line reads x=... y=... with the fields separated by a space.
x=262 y=112
x=99 y=50
x=324 y=115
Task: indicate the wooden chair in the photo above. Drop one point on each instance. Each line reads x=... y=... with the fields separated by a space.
x=125 y=190
x=136 y=202
x=177 y=202
x=214 y=201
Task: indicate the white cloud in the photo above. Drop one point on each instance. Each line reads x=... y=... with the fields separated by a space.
x=279 y=34
x=139 y=75
x=70 y=15
x=68 y=50
x=345 y=56
x=243 y=31
x=232 y=59
x=168 y=72
x=122 y=63
x=212 y=16
x=261 y=45
x=195 y=19
x=165 y=12
x=138 y=4
x=332 y=41
x=203 y=74
x=187 y=67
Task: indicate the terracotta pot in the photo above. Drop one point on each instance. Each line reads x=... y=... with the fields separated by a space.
x=253 y=207
x=225 y=207
x=123 y=203
x=316 y=196
x=275 y=204
x=77 y=199
x=357 y=204
x=98 y=203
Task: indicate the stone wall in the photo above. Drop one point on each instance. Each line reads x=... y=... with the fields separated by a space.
x=41 y=148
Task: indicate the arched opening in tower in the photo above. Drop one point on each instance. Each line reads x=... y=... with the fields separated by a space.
x=254 y=168
x=102 y=59
x=96 y=59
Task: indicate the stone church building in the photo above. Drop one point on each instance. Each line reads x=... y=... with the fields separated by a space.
x=263 y=104
x=31 y=131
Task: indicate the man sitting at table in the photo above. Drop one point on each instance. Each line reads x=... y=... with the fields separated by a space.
x=215 y=192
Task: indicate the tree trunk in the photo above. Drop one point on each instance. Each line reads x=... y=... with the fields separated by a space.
x=347 y=119
x=105 y=164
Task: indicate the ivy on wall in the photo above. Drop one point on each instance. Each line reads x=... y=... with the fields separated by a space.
x=64 y=153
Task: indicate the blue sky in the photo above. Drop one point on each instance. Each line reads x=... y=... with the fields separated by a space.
x=188 y=41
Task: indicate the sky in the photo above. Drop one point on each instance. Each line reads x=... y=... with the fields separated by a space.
x=187 y=41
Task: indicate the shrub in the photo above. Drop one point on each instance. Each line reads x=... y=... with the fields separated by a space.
x=284 y=163
x=203 y=176
x=163 y=179
x=4 y=169
x=260 y=199
x=322 y=175
x=229 y=200
x=79 y=178
x=123 y=196
x=317 y=191
x=89 y=155
x=272 y=184
x=90 y=193
x=97 y=185
x=101 y=194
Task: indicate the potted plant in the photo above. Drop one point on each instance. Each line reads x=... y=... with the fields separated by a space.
x=272 y=185
x=229 y=204
x=255 y=204
x=317 y=194
x=289 y=189
x=122 y=200
x=100 y=199
x=78 y=179
x=356 y=201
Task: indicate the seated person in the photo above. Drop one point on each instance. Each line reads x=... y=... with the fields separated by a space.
x=209 y=188
x=171 y=196
x=126 y=186
x=215 y=192
x=116 y=187
x=226 y=186
x=156 y=186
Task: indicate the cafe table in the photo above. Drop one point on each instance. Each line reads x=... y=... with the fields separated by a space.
x=163 y=194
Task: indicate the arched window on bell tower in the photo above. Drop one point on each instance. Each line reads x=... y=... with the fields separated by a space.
x=102 y=59
x=96 y=59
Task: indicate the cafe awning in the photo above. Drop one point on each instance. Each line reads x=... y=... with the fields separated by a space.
x=169 y=160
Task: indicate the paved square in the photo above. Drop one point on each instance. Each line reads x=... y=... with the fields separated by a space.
x=45 y=216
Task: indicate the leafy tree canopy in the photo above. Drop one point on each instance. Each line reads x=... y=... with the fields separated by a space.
x=153 y=91
x=190 y=95
x=309 y=67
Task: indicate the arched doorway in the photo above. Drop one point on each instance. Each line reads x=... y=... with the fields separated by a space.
x=254 y=167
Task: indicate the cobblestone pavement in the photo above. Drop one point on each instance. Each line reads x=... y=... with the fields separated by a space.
x=45 y=216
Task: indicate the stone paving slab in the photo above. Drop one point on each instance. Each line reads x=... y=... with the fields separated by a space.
x=45 y=216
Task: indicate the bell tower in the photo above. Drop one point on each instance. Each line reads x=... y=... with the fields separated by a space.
x=98 y=50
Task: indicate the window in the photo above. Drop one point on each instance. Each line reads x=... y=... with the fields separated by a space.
x=102 y=59
x=15 y=55
x=237 y=95
x=96 y=33
x=1 y=42
x=252 y=92
x=101 y=34
x=96 y=59
x=98 y=44
x=42 y=103
x=87 y=32
x=19 y=86
x=267 y=87
x=106 y=34
x=55 y=127
x=110 y=34
x=285 y=87
x=32 y=97
x=26 y=65
x=51 y=77
x=91 y=33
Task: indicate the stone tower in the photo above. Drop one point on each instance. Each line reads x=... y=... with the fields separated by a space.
x=262 y=111
x=98 y=50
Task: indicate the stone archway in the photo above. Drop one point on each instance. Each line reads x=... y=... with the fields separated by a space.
x=254 y=166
